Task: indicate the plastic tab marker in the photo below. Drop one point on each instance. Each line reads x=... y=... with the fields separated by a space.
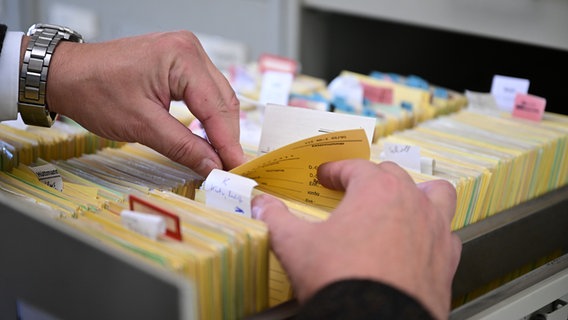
x=148 y=225
x=427 y=165
x=276 y=87
x=504 y=89
x=529 y=107
x=48 y=175
x=173 y=226
x=277 y=77
x=229 y=192
x=481 y=100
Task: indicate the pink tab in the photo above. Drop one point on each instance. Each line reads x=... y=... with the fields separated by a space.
x=529 y=107
x=378 y=94
x=272 y=62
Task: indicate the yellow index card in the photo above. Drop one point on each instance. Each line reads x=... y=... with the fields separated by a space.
x=291 y=171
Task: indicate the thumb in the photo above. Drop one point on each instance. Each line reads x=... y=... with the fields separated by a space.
x=271 y=211
x=283 y=225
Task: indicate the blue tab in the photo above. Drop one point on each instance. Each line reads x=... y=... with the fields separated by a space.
x=441 y=93
x=340 y=104
x=319 y=97
x=377 y=75
x=416 y=82
x=406 y=105
x=368 y=112
x=395 y=77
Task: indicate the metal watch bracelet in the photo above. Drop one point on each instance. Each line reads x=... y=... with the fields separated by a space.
x=32 y=104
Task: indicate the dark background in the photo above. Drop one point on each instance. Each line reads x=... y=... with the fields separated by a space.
x=453 y=60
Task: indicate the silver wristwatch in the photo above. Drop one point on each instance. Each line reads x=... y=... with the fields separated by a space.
x=32 y=104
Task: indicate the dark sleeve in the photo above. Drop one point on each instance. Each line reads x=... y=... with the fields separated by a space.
x=3 y=29
x=361 y=299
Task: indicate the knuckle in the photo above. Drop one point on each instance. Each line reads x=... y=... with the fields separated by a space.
x=181 y=151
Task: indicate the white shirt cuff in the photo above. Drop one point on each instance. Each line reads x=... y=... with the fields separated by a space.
x=9 y=75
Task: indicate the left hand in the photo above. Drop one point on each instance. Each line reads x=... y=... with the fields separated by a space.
x=122 y=89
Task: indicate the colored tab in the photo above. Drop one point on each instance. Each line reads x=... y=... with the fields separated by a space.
x=173 y=228
x=270 y=62
x=416 y=82
x=529 y=107
x=406 y=105
x=378 y=94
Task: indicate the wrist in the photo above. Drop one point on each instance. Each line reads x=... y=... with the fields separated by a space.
x=62 y=77
x=36 y=63
x=25 y=41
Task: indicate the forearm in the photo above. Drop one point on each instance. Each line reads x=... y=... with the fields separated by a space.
x=362 y=299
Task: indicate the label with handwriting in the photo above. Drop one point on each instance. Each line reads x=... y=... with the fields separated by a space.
x=404 y=155
x=228 y=192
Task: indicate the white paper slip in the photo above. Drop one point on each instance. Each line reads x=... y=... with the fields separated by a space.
x=283 y=125
x=275 y=87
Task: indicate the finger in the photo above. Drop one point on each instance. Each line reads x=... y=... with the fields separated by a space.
x=214 y=102
x=218 y=111
x=270 y=210
x=338 y=174
x=177 y=142
x=280 y=221
x=442 y=194
x=456 y=252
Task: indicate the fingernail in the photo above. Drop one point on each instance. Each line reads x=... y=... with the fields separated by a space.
x=206 y=166
x=257 y=208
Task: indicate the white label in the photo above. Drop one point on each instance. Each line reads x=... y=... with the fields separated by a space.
x=504 y=89
x=49 y=175
x=276 y=87
x=229 y=192
x=404 y=155
x=146 y=224
x=349 y=89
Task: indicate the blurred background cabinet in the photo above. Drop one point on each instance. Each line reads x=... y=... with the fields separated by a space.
x=458 y=44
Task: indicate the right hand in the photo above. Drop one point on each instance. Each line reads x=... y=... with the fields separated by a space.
x=386 y=228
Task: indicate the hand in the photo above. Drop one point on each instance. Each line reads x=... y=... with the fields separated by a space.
x=386 y=228
x=122 y=89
